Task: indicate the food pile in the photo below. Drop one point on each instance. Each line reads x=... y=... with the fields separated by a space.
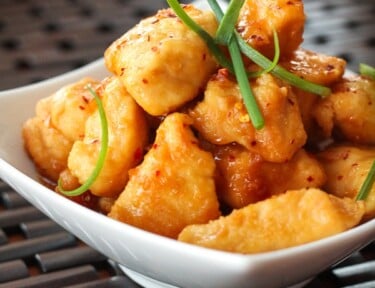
x=182 y=156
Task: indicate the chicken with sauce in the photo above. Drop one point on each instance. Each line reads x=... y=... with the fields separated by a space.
x=161 y=62
x=59 y=121
x=128 y=136
x=174 y=186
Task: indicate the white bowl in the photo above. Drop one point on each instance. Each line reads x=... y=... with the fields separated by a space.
x=152 y=260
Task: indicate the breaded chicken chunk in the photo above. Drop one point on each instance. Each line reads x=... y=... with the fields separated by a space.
x=163 y=63
x=221 y=118
x=174 y=185
x=244 y=177
x=258 y=19
x=349 y=110
x=347 y=168
x=315 y=67
x=59 y=121
x=293 y=218
x=128 y=136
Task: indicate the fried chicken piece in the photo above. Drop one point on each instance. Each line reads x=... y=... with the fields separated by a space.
x=290 y=219
x=163 y=63
x=315 y=67
x=173 y=186
x=347 y=168
x=258 y=18
x=221 y=118
x=59 y=121
x=128 y=136
x=245 y=178
x=350 y=109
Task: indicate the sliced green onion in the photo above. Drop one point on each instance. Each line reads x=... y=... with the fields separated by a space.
x=102 y=154
x=367 y=184
x=227 y=25
x=280 y=72
x=265 y=63
x=275 y=59
x=243 y=82
x=367 y=70
x=205 y=36
x=241 y=74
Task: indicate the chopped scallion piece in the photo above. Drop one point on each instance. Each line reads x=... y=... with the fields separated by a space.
x=102 y=153
x=243 y=82
x=275 y=60
x=367 y=184
x=240 y=72
x=227 y=24
x=367 y=70
x=280 y=72
x=205 y=36
x=265 y=63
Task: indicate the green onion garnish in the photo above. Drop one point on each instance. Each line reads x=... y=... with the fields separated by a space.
x=243 y=82
x=367 y=184
x=275 y=59
x=102 y=154
x=205 y=36
x=237 y=68
x=367 y=70
x=265 y=63
x=238 y=65
x=227 y=24
x=280 y=72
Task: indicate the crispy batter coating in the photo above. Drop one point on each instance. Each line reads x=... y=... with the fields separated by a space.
x=162 y=63
x=302 y=171
x=239 y=180
x=174 y=186
x=59 y=120
x=315 y=67
x=258 y=18
x=350 y=109
x=128 y=136
x=276 y=223
x=222 y=118
x=244 y=177
x=347 y=168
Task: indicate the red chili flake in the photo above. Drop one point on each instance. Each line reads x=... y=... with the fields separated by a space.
x=240 y=29
x=339 y=177
x=290 y=101
x=145 y=81
x=157 y=173
x=231 y=158
x=154 y=146
x=204 y=56
x=154 y=48
x=222 y=74
x=330 y=67
x=345 y=155
x=85 y=99
x=137 y=154
x=310 y=179
x=122 y=71
x=355 y=164
x=292 y=141
x=81 y=107
x=253 y=143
